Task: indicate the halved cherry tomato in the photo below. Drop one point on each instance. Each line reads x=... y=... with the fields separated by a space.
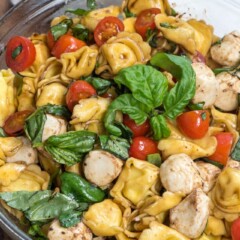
x=141 y=147
x=224 y=145
x=79 y=90
x=235 y=229
x=138 y=130
x=66 y=43
x=194 y=124
x=50 y=40
x=20 y=53
x=107 y=28
x=14 y=125
x=145 y=21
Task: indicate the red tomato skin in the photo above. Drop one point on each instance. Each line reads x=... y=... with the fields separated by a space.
x=145 y=21
x=138 y=130
x=107 y=28
x=79 y=89
x=235 y=229
x=25 y=58
x=50 y=40
x=224 y=145
x=65 y=44
x=141 y=147
x=194 y=124
x=14 y=125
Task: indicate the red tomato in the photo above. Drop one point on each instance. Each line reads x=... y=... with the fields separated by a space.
x=224 y=145
x=66 y=43
x=145 y=21
x=138 y=130
x=20 y=53
x=194 y=124
x=141 y=147
x=14 y=124
x=50 y=40
x=107 y=28
x=79 y=90
x=235 y=229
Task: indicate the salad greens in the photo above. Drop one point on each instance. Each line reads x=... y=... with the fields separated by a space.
x=61 y=28
x=101 y=85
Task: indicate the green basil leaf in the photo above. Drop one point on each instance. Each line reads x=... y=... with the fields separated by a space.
x=148 y=85
x=151 y=37
x=127 y=104
x=61 y=28
x=80 y=189
x=91 y=4
x=100 y=84
x=126 y=131
x=78 y=11
x=184 y=90
x=2 y=133
x=68 y=148
x=115 y=145
x=159 y=126
x=225 y=69
x=36 y=231
x=81 y=32
x=16 y=51
x=196 y=106
x=155 y=159
x=128 y=14
x=167 y=25
x=235 y=155
x=70 y=219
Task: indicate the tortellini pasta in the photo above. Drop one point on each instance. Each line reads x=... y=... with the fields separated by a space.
x=8 y=103
x=124 y=50
x=192 y=35
x=126 y=192
x=215 y=227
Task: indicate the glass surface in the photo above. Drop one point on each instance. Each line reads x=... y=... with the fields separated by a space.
x=35 y=15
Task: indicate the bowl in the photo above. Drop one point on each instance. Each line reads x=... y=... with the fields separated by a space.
x=34 y=16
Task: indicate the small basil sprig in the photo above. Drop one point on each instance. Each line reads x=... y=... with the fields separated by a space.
x=61 y=28
x=69 y=148
x=91 y=4
x=100 y=84
x=2 y=133
x=34 y=124
x=81 y=32
x=78 y=11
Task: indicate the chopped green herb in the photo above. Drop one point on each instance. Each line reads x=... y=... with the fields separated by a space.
x=17 y=51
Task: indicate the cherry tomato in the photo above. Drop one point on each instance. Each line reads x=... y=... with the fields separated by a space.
x=20 y=53
x=79 y=90
x=138 y=130
x=141 y=147
x=224 y=145
x=13 y=126
x=50 y=40
x=107 y=28
x=66 y=43
x=145 y=21
x=194 y=124
x=235 y=229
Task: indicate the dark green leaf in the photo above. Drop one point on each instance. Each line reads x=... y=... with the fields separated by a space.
x=159 y=126
x=184 y=90
x=155 y=159
x=68 y=148
x=148 y=85
x=61 y=28
x=167 y=25
x=35 y=230
x=127 y=104
x=81 y=32
x=100 y=84
x=115 y=145
x=16 y=51
x=225 y=69
x=235 y=155
x=207 y=160
x=126 y=132
x=128 y=14
x=78 y=11
x=151 y=37
x=70 y=219
x=2 y=133
x=80 y=189
x=196 y=106
x=91 y=4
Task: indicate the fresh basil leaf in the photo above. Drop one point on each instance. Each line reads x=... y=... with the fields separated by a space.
x=235 y=155
x=91 y=4
x=196 y=106
x=34 y=124
x=151 y=37
x=78 y=11
x=155 y=159
x=100 y=84
x=127 y=104
x=36 y=231
x=225 y=69
x=159 y=126
x=115 y=145
x=148 y=85
x=184 y=90
x=70 y=219
x=126 y=131
x=128 y=14
x=2 y=133
x=173 y=12
x=68 y=148
x=80 y=189
x=17 y=51
x=167 y=25
x=81 y=32
x=61 y=28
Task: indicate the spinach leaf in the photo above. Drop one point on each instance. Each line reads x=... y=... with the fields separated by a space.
x=70 y=219
x=69 y=148
x=100 y=84
x=61 y=28
x=80 y=189
x=183 y=91
x=2 y=133
x=91 y=4
x=115 y=145
x=127 y=104
x=34 y=124
x=81 y=32
x=148 y=85
x=159 y=127
x=235 y=155
x=78 y=11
